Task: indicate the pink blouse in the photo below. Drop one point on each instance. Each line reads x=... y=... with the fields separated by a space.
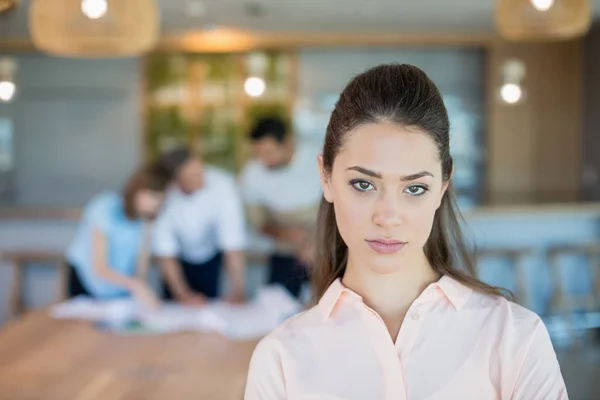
x=454 y=343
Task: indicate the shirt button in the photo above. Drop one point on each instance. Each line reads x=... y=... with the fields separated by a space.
x=432 y=292
x=415 y=316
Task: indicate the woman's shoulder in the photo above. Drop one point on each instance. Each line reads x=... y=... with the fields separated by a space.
x=522 y=343
x=104 y=202
x=512 y=316
x=482 y=304
x=104 y=207
x=293 y=329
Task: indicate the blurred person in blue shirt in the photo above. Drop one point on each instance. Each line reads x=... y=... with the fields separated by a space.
x=109 y=255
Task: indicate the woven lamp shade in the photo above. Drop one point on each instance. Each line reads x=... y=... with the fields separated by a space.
x=59 y=27
x=6 y=5
x=519 y=20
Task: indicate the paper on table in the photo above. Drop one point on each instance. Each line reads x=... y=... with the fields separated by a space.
x=88 y=309
x=270 y=308
x=266 y=311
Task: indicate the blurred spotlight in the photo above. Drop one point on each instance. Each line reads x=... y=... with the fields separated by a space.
x=254 y=86
x=542 y=5
x=7 y=90
x=8 y=87
x=94 y=9
x=513 y=74
x=511 y=93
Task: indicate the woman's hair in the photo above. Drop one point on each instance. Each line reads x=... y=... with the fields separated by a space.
x=403 y=95
x=150 y=177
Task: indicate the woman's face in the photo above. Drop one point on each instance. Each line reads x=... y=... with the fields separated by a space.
x=148 y=203
x=385 y=185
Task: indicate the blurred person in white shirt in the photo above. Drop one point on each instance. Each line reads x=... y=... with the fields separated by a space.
x=281 y=192
x=201 y=228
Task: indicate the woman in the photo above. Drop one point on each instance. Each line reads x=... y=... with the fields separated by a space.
x=400 y=313
x=109 y=255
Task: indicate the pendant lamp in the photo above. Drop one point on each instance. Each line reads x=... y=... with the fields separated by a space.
x=542 y=20
x=94 y=28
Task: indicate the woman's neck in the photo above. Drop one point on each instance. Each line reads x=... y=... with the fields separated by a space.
x=390 y=295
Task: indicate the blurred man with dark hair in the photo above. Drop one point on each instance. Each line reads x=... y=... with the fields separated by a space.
x=281 y=189
x=202 y=226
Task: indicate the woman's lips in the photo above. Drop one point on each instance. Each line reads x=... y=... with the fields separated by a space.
x=384 y=246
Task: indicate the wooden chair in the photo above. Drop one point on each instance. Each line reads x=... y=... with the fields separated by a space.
x=564 y=303
x=516 y=258
x=18 y=261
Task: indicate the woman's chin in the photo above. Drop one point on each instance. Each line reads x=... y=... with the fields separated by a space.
x=385 y=265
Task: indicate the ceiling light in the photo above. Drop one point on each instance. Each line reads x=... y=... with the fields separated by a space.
x=542 y=5
x=94 y=28
x=254 y=86
x=511 y=93
x=542 y=20
x=8 y=87
x=513 y=73
x=7 y=90
x=94 y=9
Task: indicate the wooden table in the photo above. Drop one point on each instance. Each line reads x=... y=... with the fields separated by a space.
x=44 y=358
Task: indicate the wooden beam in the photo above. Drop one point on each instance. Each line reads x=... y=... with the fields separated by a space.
x=226 y=40
x=231 y=40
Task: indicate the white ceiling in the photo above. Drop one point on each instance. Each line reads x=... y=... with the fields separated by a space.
x=357 y=16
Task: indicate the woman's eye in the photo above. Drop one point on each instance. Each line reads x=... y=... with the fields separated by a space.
x=416 y=190
x=362 y=186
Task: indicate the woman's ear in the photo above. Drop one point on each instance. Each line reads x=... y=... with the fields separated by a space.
x=324 y=180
